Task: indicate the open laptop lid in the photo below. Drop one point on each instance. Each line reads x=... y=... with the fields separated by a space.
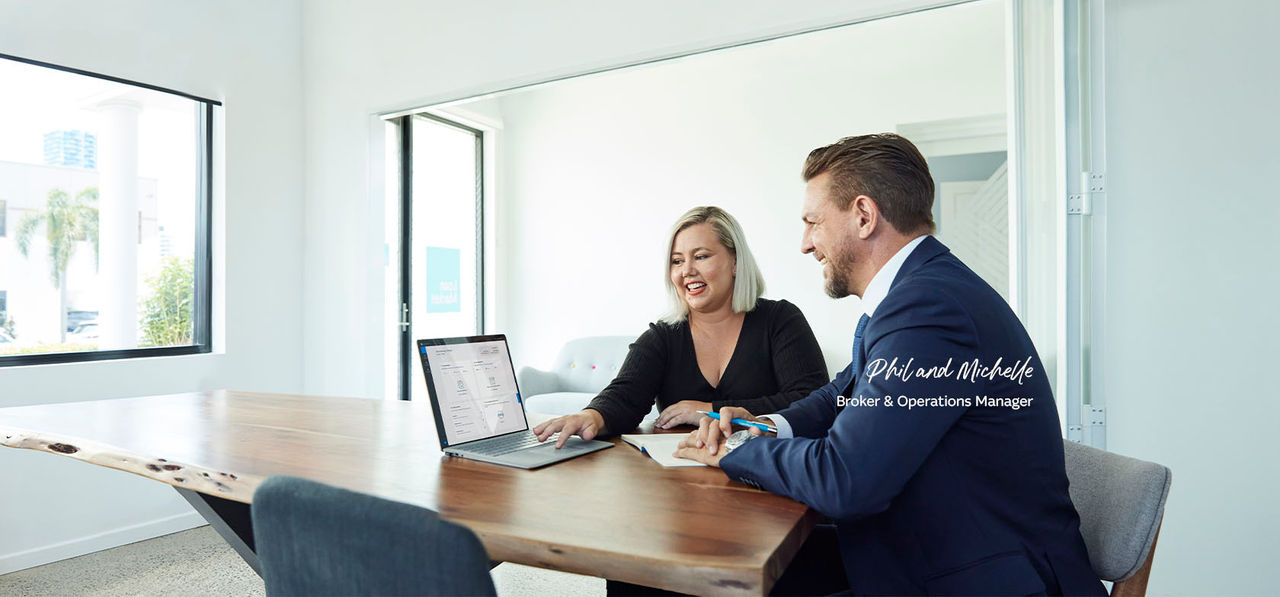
x=472 y=384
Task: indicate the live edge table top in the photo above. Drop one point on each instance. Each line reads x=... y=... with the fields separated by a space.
x=613 y=513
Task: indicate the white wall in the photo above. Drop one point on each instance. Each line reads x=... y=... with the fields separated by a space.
x=363 y=58
x=597 y=169
x=248 y=55
x=1192 y=279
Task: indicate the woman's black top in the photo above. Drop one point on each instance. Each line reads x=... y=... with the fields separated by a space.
x=776 y=362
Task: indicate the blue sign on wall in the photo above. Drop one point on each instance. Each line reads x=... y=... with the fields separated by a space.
x=444 y=277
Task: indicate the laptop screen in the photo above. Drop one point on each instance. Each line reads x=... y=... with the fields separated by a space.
x=473 y=388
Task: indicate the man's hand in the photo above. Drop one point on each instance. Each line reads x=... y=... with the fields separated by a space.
x=706 y=445
x=586 y=424
x=711 y=432
x=684 y=412
x=693 y=448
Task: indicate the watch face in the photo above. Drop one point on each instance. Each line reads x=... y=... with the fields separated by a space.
x=737 y=439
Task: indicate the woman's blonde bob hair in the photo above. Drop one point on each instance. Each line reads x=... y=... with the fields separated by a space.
x=748 y=284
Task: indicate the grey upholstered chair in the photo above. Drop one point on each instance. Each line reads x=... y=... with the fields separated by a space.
x=1121 y=504
x=583 y=368
x=313 y=539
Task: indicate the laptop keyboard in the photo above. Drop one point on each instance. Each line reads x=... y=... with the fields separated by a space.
x=509 y=443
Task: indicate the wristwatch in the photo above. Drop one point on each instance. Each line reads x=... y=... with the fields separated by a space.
x=737 y=439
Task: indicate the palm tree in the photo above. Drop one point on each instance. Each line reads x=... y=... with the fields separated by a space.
x=66 y=220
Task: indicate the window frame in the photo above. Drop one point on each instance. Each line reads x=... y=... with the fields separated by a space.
x=202 y=317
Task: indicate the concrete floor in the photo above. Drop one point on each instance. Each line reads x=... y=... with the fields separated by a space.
x=198 y=562
x=194 y=562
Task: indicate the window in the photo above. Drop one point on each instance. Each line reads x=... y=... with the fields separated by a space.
x=108 y=243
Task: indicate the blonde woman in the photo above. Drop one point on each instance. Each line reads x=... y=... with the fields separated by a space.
x=721 y=344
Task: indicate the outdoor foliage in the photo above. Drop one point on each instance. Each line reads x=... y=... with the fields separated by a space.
x=66 y=221
x=6 y=324
x=167 y=313
x=48 y=348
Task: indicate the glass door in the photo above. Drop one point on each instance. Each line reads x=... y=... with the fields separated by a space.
x=442 y=238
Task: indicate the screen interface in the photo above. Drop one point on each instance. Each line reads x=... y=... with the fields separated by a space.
x=475 y=390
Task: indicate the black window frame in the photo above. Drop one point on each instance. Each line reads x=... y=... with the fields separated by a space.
x=202 y=318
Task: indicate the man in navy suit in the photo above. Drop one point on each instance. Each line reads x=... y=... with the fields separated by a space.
x=937 y=451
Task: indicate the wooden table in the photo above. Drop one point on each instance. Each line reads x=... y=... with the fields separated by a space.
x=613 y=514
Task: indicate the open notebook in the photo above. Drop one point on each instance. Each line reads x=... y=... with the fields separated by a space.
x=659 y=447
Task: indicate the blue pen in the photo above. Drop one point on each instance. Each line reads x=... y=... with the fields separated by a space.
x=743 y=422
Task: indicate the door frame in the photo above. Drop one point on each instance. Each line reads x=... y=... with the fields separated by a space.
x=405 y=323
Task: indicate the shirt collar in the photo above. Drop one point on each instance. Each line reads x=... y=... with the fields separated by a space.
x=880 y=283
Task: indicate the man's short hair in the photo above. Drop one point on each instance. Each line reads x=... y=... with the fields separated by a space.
x=885 y=167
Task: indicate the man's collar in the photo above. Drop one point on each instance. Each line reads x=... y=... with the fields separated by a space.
x=883 y=280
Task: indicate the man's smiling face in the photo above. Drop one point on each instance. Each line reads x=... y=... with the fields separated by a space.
x=828 y=235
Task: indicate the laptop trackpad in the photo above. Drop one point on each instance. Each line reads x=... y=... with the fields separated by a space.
x=547 y=452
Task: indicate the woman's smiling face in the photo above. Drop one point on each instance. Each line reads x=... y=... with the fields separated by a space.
x=702 y=269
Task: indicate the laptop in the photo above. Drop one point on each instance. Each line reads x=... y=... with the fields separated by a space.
x=477 y=405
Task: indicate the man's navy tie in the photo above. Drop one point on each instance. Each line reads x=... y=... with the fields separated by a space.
x=857 y=346
x=857 y=353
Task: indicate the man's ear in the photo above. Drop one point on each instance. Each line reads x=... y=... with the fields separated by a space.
x=866 y=216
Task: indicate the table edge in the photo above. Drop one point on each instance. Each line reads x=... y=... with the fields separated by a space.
x=222 y=484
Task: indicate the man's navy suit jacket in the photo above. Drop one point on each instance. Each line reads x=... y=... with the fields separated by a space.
x=965 y=500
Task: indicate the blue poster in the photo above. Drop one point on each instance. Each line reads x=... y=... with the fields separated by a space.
x=444 y=275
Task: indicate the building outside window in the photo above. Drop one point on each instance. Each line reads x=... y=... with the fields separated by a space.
x=71 y=148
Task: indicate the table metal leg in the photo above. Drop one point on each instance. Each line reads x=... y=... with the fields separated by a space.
x=230 y=519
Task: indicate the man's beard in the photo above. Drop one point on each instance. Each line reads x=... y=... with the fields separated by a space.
x=840 y=260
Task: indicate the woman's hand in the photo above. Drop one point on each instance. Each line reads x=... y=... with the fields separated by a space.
x=586 y=424
x=684 y=412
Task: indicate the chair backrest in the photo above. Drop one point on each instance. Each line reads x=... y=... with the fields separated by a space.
x=313 y=539
x=1121 y=504
x=589 y=364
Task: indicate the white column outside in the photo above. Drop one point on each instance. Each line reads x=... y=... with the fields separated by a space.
x=118 y=224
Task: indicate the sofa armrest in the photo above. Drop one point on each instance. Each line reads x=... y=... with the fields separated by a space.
x=536 y=381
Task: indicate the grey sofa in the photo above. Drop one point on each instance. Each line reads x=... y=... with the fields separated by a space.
x=583 y=368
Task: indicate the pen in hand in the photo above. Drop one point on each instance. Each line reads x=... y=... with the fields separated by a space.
x=743 y=422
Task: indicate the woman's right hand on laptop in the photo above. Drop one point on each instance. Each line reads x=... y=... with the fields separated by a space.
x=586 y=424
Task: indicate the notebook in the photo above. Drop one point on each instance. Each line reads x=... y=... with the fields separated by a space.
x=660 y=446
